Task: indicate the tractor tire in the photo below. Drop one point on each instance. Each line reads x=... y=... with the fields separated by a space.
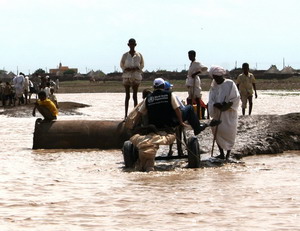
x=193 y=152
x=130 y=154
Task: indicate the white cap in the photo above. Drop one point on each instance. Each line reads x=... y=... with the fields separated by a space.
x=158 y=81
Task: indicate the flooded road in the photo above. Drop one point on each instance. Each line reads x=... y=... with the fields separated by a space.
x=89 y=190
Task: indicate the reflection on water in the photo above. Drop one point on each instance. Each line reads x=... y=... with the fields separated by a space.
x=88 y=189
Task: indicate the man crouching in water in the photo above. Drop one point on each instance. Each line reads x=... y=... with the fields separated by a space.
x=160 y=106
x=46 y=107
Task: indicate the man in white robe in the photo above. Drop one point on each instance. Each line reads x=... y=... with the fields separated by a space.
x=18 y=82
x=193 y=81
x=223 y=104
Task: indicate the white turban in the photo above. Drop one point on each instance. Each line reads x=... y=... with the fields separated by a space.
x=217 y=70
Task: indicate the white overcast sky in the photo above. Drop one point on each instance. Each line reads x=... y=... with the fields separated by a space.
x=93 y=34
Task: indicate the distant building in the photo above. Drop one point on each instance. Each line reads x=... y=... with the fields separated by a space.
x=61 y=69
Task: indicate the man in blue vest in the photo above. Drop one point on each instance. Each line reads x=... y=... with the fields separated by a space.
x=163 y=111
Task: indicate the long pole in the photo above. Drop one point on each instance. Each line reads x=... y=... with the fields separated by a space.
x=215 y=136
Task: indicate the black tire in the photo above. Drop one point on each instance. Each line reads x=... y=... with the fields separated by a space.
x=193 y=152
x=130 y=154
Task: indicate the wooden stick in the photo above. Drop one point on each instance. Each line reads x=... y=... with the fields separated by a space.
x=215 y=135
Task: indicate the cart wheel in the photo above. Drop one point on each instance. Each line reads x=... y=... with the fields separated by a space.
x=130 y=154
x=193 y=152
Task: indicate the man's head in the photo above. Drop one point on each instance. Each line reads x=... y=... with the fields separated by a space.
x=52 y=90
x=168 y=86
x=159 y=83
x=245 y=68
x=42 y=95
x=217 y=73
x=131 y=43
x=192 y=55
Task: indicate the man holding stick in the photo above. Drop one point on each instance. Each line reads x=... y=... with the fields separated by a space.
x=223 y=104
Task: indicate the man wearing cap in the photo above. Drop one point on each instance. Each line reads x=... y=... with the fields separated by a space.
x=160 y=106
x=223 y=105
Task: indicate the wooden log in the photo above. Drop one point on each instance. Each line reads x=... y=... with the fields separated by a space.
x=79 y=134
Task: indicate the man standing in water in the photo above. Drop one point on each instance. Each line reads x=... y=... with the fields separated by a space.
x=223 y=104
x=132 y=63
x=246 y=84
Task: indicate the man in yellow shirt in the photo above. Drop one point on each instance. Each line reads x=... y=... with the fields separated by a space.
x=246 y=83
x=46 y=107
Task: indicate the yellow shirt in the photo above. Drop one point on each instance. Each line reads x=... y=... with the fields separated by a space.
x=50 y=105
x=245 y=83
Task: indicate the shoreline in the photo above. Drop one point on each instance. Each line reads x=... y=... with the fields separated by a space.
x=110 y=86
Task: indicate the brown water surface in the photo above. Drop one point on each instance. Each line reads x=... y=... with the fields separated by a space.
x=89 y=189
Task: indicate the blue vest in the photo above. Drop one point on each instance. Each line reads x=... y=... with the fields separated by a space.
x=160 y=111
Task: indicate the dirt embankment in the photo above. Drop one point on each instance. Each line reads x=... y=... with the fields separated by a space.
x=25 y=110
x=261 y=134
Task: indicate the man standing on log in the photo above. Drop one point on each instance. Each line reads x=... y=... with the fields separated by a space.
x=132 y=64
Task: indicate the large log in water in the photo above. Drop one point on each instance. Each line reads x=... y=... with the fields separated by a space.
x=76 y=134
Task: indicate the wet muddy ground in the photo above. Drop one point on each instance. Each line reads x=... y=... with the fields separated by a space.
x=89 y=189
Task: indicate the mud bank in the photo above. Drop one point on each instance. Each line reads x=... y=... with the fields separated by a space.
x=268 y=134
x=25 y=110
x=261 y=134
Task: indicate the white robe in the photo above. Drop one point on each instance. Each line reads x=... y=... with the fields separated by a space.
x=18 y=82
x=228 y=92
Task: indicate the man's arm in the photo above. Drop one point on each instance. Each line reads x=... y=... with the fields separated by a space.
x=195 y=74
x=34 y=108
x=137 y=119
x=179 y=117
x=254 y=87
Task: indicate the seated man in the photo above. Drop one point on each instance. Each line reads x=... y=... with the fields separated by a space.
x=160 y=106
x=46 y=107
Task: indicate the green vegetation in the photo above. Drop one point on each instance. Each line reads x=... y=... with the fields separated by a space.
x=69 y=72
x=39 y=71
x=84 y=86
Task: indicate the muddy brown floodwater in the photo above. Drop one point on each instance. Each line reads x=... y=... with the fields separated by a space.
x=89 y=189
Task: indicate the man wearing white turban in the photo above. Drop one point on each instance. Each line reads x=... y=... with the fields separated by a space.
x=223 y=104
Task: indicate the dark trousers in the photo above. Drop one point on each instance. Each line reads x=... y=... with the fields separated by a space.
x=188 y=114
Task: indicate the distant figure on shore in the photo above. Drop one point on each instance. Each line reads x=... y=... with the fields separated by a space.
x=26 y=88
x=46 y=107
x=53 y=98
x=32 y=90
x=132 y=64
x=246 y=83
x=8 y=95
x=18 y=82
x=223 y=104
x=56 y=84
x=193 y=81
x=47 y=89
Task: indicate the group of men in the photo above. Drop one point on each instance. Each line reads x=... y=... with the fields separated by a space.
x=164 y=111
x=18 y=91
x=21 y=91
